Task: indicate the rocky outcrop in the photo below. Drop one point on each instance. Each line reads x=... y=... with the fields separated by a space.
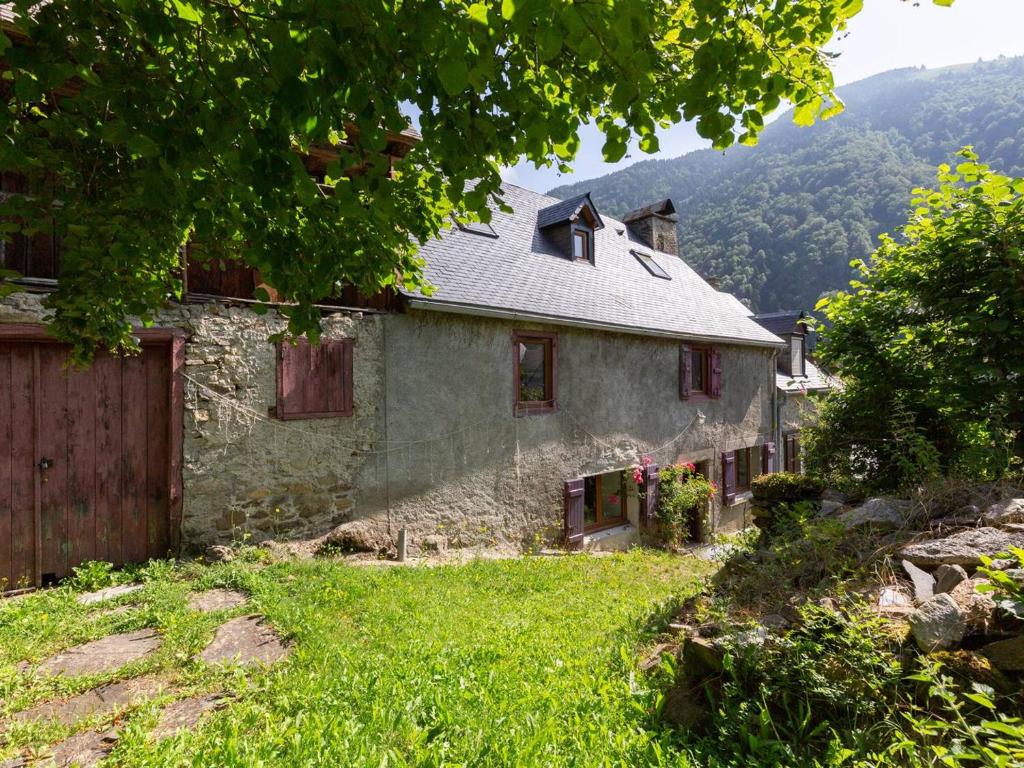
x=965 y=548
x=881 y=513
x=1006 y=655
x=948 y=576
x=924 y=582
x=358 y=536
x=938 y=625
x=1004 y=512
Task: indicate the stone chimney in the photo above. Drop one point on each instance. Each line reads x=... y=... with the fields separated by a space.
x=655 y=225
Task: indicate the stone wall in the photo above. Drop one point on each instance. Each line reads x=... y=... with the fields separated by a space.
x=433 y=443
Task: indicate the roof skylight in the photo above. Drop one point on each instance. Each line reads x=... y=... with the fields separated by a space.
x=651 y=265
x=477 y=228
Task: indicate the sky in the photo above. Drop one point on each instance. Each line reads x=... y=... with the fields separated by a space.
x=887 y=34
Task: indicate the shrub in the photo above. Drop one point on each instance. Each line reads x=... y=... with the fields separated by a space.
x=683 y=493
x=786 y=487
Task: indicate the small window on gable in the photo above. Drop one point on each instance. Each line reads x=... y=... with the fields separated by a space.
x=796 y=355
x=314 y=382
x=535 y=364
x=651 y=265
x=581 y=249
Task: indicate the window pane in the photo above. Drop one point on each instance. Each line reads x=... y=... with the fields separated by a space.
x=699 y=356
x=742 y=469
x=612 y=501
x=589 y=500
x=796 y=348
x=533 y=371
x=579 y=245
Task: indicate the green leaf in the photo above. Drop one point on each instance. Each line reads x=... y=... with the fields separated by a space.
x=453 y=74
x=478 y=13
x=508 y=9
x=188 y=12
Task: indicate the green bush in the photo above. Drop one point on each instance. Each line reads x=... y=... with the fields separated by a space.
x=786 y=487
x=683 y=493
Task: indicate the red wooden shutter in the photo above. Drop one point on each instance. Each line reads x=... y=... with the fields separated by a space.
x=314 y=381
x=574 y=514
x=685 y=371
x=768 y=458
x=728 y=478
x=716 y=373
x=650 y=509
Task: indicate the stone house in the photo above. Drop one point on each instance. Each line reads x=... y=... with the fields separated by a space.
x=507 y=408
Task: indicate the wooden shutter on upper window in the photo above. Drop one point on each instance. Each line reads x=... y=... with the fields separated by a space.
x=573 y=498
x=685 y=371
x=768 y=458
x=728 y=478
x=715 y=365
x=314 y=381
x=650 y=489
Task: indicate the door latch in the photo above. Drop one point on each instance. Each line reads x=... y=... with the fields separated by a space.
x=44 y=464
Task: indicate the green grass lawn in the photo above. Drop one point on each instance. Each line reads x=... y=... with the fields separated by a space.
x=528 y=662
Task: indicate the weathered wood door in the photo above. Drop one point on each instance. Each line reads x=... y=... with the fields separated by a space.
x=86 y=460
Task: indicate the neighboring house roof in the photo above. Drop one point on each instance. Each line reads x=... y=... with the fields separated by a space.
x=522 y=274
x=816 y=380
x=786 y=321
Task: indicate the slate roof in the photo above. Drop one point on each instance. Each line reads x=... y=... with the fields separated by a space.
x=816 y=380
x=782 y=322
x=523 y=275
x=564 y=210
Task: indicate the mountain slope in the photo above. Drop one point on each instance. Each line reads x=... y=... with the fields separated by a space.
x=779 y=223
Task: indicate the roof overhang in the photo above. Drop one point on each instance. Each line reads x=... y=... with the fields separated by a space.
x=437 y=305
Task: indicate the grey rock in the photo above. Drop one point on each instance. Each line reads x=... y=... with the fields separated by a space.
x=924 y=582
x=245 y=640
x=829 y=508
x=185 y=714
x=1005 y=512
x=831 y=494
x=774 y=622
x=1006 y=655
x=948 y=576
x=109 y=593
x=890 y=597
x=219 y=553
x=103 y=700
x=977 y=607
x=881 y=512
x=216 y=600
x=435 y=543
x=103 y=655
x=938 y=625
x=965 y=548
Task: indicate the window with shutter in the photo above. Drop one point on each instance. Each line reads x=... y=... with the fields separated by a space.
x=694 y=371
x=573 y=497
x=768 y=457
x=314 y=382
x=715 y=388
x=685 y=371
x=728 y=478
x=650 y=507
x=792 y=449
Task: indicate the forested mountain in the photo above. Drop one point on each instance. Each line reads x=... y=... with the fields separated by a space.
x=779 y=223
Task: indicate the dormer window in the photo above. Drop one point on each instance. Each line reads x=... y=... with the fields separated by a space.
x=569 y=226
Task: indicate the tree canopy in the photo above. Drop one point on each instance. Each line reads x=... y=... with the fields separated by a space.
x=141 y=125
x=929 y=340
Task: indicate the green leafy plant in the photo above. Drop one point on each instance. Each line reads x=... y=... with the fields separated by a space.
x=786 y=486
x=929 y=342
x=93 y=574
x=683 y=495
x=1008 y=592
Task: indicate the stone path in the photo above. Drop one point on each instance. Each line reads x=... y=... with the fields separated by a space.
x=82 y=750
x=103 y=700
x=110 y=593
x=103 y=655
x=186 y=713
x=216 y=600
x=245 y=640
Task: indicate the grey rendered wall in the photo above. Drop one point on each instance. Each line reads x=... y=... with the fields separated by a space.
x=433 y=443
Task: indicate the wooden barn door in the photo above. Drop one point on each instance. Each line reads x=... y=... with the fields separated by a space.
x=87 y=461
